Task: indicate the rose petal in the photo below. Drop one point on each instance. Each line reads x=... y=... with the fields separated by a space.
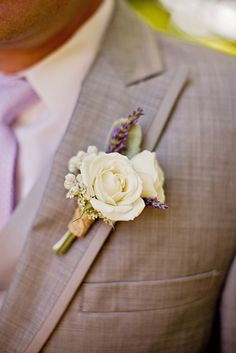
x=106 y=208
x=149 y=190
x=160 y=175
x=111 y=183
x=144 y=162
x=101 y=193
x=120 y=213
x=160 y=194
x=134 y=192
x=86 y=172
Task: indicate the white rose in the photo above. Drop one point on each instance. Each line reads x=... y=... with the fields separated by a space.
x=152 y=176
x=113 y=185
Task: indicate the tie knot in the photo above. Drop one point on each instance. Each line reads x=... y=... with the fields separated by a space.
x=16 y=95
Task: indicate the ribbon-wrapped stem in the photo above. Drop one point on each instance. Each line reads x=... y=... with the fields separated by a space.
x=63 y=245
x=77 y=228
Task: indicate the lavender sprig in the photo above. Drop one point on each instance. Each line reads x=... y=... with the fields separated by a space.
x=120 y=134
x=153 y=202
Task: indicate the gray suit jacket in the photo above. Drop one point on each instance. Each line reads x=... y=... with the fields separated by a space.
x=154 y=284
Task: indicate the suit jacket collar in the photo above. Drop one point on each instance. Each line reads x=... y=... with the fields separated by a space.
x=44 y=284
x=126 y=55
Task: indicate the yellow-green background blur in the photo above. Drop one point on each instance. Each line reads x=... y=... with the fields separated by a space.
x=159 y=19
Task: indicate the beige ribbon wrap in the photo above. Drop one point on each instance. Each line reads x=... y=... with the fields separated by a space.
x=80 y=223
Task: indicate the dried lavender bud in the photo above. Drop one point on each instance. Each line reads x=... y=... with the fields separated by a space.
x=120 y=135
x=153 y=202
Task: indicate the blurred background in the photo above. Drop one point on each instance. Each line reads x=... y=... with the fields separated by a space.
x=211 y=23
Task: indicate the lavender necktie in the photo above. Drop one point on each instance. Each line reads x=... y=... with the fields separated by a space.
x=15 y=96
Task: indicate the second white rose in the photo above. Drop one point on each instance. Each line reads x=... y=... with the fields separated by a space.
x=151 y=174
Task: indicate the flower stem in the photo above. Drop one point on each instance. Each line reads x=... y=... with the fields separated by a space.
x=63 y=245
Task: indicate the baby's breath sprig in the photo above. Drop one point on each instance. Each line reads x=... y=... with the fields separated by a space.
x=92 y=214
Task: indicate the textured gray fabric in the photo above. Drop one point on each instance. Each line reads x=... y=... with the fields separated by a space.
x=155 y=284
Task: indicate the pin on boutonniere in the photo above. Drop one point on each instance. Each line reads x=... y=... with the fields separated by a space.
x=115 y=185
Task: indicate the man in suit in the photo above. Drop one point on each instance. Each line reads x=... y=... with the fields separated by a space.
x=162 y=283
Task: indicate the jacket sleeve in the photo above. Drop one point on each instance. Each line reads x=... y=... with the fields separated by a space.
x=228 y=312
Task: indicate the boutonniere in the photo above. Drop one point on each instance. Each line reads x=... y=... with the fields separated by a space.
x=115 y=185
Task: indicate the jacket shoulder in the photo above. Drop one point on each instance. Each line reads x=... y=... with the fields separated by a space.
x=198 y=58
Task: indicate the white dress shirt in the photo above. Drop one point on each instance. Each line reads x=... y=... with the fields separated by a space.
x=57 y=80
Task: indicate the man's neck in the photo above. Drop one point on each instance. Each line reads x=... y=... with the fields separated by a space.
x=14 y=59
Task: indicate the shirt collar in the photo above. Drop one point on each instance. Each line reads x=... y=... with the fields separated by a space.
x=53 y=78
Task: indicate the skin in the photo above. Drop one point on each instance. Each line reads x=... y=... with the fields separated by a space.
x=31 y=29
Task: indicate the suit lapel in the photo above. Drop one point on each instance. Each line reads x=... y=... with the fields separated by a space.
x=44 y=284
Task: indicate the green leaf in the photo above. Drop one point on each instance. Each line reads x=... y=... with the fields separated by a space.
x=134 y=141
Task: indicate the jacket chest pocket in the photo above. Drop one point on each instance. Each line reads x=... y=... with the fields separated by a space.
x=140 y=316
x=146 y=295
